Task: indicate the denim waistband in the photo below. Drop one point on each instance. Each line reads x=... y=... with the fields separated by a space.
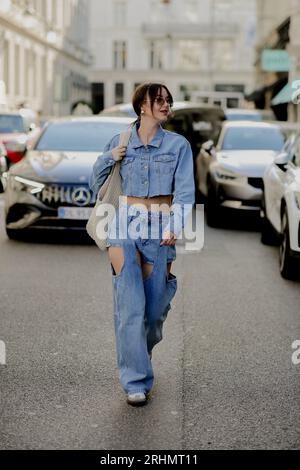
x=143 y=211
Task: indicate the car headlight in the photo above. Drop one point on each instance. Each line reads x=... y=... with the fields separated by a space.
x=224 y=174
x=14 y=146
x=17 y=183
x=297 y=198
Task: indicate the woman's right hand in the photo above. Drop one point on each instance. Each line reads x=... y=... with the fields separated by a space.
x=118 y=153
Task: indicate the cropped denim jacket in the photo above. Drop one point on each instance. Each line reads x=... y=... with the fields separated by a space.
x=163 y=167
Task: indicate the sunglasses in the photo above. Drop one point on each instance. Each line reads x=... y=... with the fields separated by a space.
x=160 y=100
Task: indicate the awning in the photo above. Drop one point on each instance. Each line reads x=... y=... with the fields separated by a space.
x=286 y=94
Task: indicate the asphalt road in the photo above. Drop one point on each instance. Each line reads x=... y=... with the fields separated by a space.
x=224 y=375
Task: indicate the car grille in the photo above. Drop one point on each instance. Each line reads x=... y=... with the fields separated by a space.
x=55 y=195
x=256 y=182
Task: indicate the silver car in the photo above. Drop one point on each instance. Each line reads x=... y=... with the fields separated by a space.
x=230 y=174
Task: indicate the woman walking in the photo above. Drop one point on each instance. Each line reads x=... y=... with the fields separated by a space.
x=157 y=181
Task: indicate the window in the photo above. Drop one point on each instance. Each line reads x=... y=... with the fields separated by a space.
x=6 y=65
x=17 y=69
x=120 y=54
x=119 y=93
x=27 y=70
x=156 y=52
x=54 y=12
x=33 y=73
x=239 y=138
x=78 y=136
x=44 y=74
x=191 y=11
x=223 y=10
x=223 y=54
x=120 y=13
x=10 y=123
x=98 y=97
x=191 y=55
x=30 y=75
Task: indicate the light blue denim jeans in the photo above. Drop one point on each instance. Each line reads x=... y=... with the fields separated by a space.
x=140 y=305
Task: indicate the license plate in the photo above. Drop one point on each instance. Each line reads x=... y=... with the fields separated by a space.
x=78 y=213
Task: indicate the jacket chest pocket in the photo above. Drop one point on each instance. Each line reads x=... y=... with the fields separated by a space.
x=164 y=164
x=126 y=167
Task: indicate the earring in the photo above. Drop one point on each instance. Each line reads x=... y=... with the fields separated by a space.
x=142 y=111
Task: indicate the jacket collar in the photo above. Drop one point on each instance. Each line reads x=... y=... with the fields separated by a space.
x=155 y=142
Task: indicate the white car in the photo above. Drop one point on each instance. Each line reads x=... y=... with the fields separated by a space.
x=281 y=207
x=230 y=174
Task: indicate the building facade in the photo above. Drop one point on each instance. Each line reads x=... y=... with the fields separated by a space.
x=191 y=45
x=294 y=54
x=44 y=54
x=278 y=30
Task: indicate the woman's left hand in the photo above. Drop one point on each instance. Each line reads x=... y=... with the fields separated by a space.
x=168 y=238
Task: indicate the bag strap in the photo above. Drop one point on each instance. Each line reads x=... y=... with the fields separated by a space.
x=124 y=137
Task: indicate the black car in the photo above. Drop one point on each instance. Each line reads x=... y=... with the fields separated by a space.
x=196 y=122
x=48 y=188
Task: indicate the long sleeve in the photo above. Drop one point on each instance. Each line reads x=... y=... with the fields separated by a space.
x=184 y=190
x=102 y=166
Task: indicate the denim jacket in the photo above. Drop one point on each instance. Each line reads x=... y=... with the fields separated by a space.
x=163 y=167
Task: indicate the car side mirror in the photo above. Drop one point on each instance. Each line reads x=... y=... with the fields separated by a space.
x=281 y=160
x=208 y=146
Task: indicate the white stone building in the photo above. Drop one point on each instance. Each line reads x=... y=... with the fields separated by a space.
x=188 y=44
x=44 y=55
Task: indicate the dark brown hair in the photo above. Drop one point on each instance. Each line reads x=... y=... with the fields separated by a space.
x=150 y=89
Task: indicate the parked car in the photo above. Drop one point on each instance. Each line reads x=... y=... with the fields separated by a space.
x=119 y=110
x=288 y=128
x=15 y=128
x=240 y=114
x=281 y=206
x=230 y=174
x=3 y=166
x=196 y=122
x=48 y=188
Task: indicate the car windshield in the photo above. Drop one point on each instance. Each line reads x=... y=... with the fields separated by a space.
x=243 y=117
x=253 y=138
x=10 y=123
x=79 y=136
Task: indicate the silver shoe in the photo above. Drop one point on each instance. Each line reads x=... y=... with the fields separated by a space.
x=136 y=399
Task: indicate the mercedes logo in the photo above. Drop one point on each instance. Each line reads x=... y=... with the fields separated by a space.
x=81 y=196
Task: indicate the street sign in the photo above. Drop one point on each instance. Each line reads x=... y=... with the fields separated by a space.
x=275 y=60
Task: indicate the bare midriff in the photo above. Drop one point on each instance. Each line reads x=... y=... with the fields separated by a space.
x=156 y=203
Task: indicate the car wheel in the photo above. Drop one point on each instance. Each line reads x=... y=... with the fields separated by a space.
x=212 y=208
x=14 y=234
x=286 y=260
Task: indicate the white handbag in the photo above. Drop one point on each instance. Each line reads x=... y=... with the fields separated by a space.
x=108 y=194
